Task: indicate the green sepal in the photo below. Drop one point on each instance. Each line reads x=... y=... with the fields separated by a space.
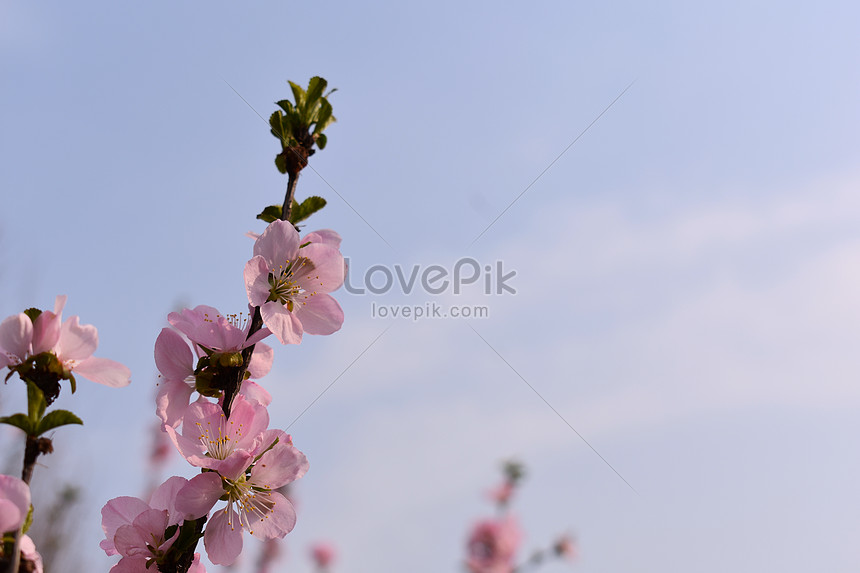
x=73 y=382
x=20 y=421
x=271 y=213
x=272 y=445
x=28 y=521
x=168 y=533
x=306 y=208
x=55 y=419
x=36 y=403
x=33 y=314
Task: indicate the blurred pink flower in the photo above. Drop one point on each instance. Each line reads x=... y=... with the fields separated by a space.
x=493 y=545
x=29 y=553
x=502 y=494
x=14 y=503
x=289 y=281
x=323 y=554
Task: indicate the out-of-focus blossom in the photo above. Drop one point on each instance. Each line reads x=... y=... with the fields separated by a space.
x=492 y=546
x=14 y=503
x=31 y=561
x=502 y=494
x=323 y=554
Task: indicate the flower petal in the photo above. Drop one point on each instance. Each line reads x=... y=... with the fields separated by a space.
x=278 y=244
x=104 y=371
x=223 y=541
x=164 y=497
x=173 y=356
x=278 y=522
x=16 y=334
x=116 y=513
x=283 y=324
x=172 y=401
x=197 y=497
x=323 y=236
x=279 y=466
x=257 y=281
x=321 y=314
x=261 y=360
x=77 y=341
x=328 y=271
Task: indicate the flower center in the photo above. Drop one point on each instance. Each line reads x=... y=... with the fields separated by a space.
x=284 y=286
x=253 y=502
x=220 y=442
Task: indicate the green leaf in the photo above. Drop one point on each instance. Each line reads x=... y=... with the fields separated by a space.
x=316 y=87
x=21 y=421
x=271 y=213
x=55 y=419
x=324 y=117
x=298 y=94
x=306 y=208
x=281 y=162
x=35 y=403
x=321 y=140
x=287 y=106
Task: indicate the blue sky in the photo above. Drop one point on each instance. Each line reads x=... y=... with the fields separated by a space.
x=687 y=271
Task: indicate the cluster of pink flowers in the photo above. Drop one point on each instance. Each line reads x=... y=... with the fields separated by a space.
x=242 y=461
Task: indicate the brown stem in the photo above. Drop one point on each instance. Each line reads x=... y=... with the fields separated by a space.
x=292 y=181
x=235 y=384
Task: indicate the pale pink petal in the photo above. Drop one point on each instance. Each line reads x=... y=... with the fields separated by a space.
x=77 y=341
x=254 y=392
x=173 y=356
x=131 y=565
x=279 y=466
x=283 y=324
x=172 y=401
x=16 y=334
x=196 y=566
x=116 y=513
x=28 y=550
x=197 y=497
x=278 y=522
x=16 y=492
x=191 y=449
x=104 y=371
x=261 y=360
x=60 y=304
x=164 y=497
x=257 y=281
x=11 y=516
x=223 y=541
x=46 y=331
x=278 y=244
x=321 y=314
x=323 y=236
x=247 y=420
x=327 y=272
x=131 y=540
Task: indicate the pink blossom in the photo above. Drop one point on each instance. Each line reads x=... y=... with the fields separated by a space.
x=289 y=281
x=71 y=342
x=176 y=363
x=29 y=553
x=14 y=503
x=136 y=530
x=323 y=554
x=252 y=502
x=492 y=546
x=205 y=326
x=210 y=440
